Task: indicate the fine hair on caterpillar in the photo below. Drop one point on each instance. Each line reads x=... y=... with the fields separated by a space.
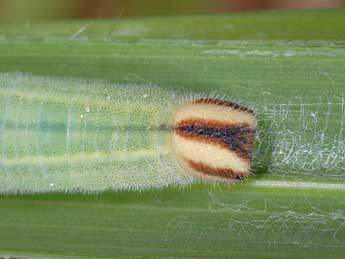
x=73 y=135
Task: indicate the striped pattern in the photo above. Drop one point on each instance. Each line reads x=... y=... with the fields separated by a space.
x=214 y=139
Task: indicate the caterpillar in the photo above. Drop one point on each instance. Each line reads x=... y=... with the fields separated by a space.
x=71 y=135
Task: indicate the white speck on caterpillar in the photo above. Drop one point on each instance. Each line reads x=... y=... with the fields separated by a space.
x=72 y=135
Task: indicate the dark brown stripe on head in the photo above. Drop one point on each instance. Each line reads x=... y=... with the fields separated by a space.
x=225 y=173
x=233 y=105
x=237 y=138
x=209 y=123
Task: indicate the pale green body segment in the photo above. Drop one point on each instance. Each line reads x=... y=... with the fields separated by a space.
x=70 y=135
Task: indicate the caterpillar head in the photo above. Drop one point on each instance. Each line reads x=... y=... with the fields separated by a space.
x=214 y=139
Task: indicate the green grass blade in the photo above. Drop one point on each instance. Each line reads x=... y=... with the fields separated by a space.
x=277 y=25
x=289 y=66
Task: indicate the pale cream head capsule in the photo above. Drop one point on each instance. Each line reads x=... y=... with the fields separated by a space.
x=214 y=139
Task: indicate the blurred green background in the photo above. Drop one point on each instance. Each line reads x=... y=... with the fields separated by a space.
x=32 y=10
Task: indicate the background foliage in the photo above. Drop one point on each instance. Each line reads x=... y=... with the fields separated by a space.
x=268 y=60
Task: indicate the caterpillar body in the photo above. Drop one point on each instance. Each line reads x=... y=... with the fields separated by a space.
x=71 y=135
